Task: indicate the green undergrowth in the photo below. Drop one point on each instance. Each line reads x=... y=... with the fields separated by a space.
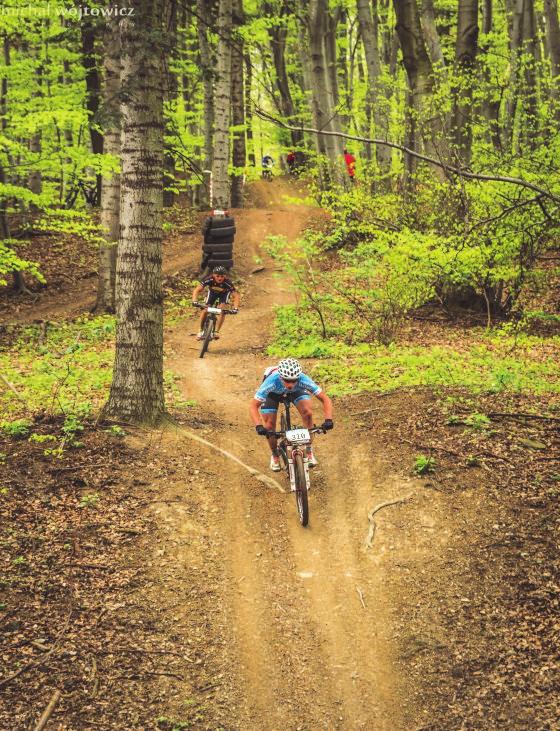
x=65 y=370
x=484 y=361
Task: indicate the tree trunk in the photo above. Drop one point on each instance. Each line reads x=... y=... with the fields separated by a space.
x=93 y=94
x=490 y=106
x=371 y=49
x=249 y=110
x=237 y=111
x=553 y=42
x=465 y=55
x=110 y=189
x=323 y=113
x=428 y=18
x=530 y=127
x=222 y=106
x=204 y=12
x=137 y=388
x=420 y=77
x=278 y=35
x=171 y=93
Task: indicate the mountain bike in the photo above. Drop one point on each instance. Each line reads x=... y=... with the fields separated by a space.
x=209 y=330
x=267 y=173
x=292 y=449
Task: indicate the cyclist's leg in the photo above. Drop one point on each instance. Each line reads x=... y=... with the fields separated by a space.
x=224 y=299
x=303 y=405
x=269 y=413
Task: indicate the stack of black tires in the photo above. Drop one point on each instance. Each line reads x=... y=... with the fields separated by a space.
x=217 y=249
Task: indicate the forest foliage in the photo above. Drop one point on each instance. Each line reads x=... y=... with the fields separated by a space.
x=451 y=110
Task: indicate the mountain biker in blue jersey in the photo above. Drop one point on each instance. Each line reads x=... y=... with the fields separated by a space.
x=287 y=381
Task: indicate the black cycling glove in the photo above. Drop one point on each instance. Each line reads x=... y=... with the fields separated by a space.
x=327 y=424
x=261 y=430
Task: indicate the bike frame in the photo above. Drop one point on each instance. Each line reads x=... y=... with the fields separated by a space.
x=293 y=449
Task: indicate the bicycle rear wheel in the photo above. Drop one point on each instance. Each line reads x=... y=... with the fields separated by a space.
x=207 y=336
x=301 y=490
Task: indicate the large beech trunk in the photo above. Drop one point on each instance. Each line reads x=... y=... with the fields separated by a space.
x=222 y=103
x=111 y=187
x=137 y=389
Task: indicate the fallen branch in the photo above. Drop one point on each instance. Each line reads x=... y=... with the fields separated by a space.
x=361 y=595
x=372 y=526
x=12 y=388
x=265 y=479
x=42 y=722
x=430 y=447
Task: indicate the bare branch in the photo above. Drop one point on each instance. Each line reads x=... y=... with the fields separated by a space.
x=461 y=172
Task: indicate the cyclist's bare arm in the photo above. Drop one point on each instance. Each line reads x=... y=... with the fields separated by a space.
x=327 y=404
x=196 y=292
x=254 y=411
x=235 y=298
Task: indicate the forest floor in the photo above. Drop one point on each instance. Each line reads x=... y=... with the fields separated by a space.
x=160 y=585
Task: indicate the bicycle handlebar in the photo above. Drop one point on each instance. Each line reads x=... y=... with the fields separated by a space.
x=202 y=306
x=313 y=430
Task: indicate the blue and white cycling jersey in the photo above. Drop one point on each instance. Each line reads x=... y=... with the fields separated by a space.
x=272 y=385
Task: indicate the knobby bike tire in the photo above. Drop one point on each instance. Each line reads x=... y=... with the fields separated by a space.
x=301 y=490
x=207 y=337
x=283 y=457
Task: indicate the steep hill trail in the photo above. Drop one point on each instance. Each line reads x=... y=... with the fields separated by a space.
x=294 y=627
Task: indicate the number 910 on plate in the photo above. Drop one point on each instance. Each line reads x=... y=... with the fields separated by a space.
x=298 y=435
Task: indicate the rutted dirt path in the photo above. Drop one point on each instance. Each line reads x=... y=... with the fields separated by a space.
x=299 y=632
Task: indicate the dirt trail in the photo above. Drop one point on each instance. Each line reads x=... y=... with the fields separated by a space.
x=304 y=618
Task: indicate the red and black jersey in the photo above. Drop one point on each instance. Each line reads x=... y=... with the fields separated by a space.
x=220 y=288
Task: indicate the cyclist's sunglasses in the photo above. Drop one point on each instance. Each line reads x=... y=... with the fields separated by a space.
x=289 y=380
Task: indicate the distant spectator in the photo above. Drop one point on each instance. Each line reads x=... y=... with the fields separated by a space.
x=350 y=161
x=291 y=160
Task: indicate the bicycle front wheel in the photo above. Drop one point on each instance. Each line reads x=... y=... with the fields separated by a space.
x=301 y=490
x=207 y=337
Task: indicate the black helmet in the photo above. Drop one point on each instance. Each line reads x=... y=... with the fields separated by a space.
x=219 y=270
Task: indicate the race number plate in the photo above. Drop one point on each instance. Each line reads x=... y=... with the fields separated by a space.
x=215 y=310
x=298 y=436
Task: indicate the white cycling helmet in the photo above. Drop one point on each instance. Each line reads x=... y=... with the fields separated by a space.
x=289 y=368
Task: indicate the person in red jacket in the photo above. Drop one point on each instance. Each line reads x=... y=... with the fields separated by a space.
x=350 y=161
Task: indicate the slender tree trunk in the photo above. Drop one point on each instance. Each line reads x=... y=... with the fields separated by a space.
x=93 y=95
x=553 y=41
x=237 y=110
x=490 y=105
x=515 y=27
x=530 y=77
x=323 y=113
x=221 y=194
x=35 y=180
x=368 y=31
x=278 y=35
x=111 y=188
x=137 y=389
x=170 y=96
x=204 y=12
x=249 y=110
x=465 y=55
